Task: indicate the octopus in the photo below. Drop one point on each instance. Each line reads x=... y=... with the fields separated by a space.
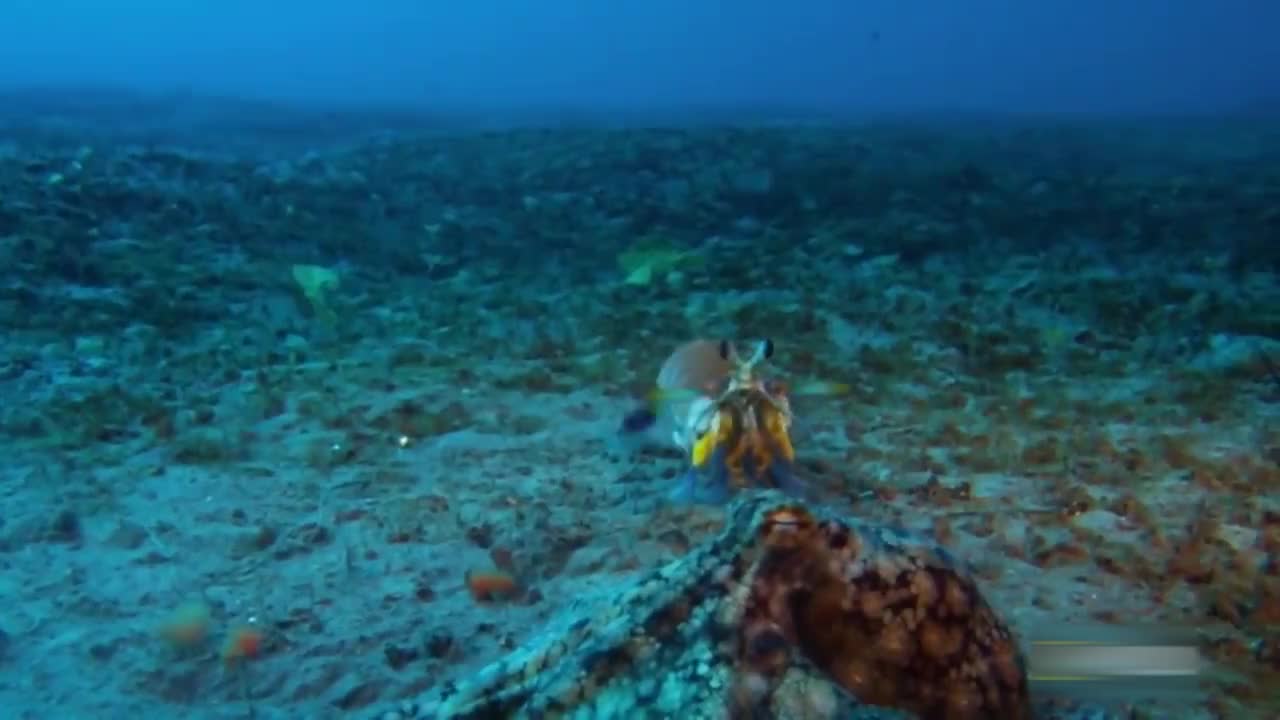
x=790 y=612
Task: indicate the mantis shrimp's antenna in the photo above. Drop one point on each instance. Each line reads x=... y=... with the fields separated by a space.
x=743 y=378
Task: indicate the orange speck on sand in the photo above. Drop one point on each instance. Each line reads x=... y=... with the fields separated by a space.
x=187 y=626
x=244 y=643
x=491 y=585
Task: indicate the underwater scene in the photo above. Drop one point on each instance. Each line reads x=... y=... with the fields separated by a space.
x=639 y=361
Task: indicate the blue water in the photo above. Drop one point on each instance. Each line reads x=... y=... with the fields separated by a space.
x=1088 y=56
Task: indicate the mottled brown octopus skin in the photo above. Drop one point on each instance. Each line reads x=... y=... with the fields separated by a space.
x=786 y=614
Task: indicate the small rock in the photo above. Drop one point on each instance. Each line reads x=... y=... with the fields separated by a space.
x=65 y=528
x=127 y=536
x=423 y=591
x=314 y=534
x=300 y=540
x=398 y=657
x=359 y=696
x=103 y=651
x=439 y=644
x=250 y=543
x=480 y=535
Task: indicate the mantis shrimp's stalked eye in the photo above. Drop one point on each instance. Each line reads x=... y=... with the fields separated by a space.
x=726 y=349
x=766 y=347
